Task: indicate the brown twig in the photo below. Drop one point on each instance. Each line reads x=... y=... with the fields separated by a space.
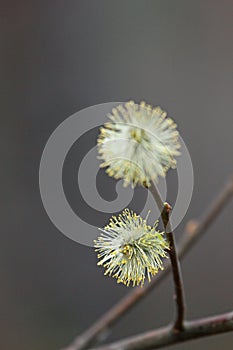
x=193 y=232
x=176 y=270
x=165 y=336
x=165 y=209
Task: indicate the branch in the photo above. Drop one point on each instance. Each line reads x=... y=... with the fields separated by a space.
x=176 y=270
x=193 y=232
x=166 y=336
x=165 y=209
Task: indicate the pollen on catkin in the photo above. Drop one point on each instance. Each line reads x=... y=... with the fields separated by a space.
x=130 y=250
x=138 y=144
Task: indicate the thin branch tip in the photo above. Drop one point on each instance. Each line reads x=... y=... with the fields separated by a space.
x=175 y=266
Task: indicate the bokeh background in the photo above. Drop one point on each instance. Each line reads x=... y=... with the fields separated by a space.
x=58 y=57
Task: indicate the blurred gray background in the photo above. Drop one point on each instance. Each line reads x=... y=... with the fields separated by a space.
x=58 y=57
